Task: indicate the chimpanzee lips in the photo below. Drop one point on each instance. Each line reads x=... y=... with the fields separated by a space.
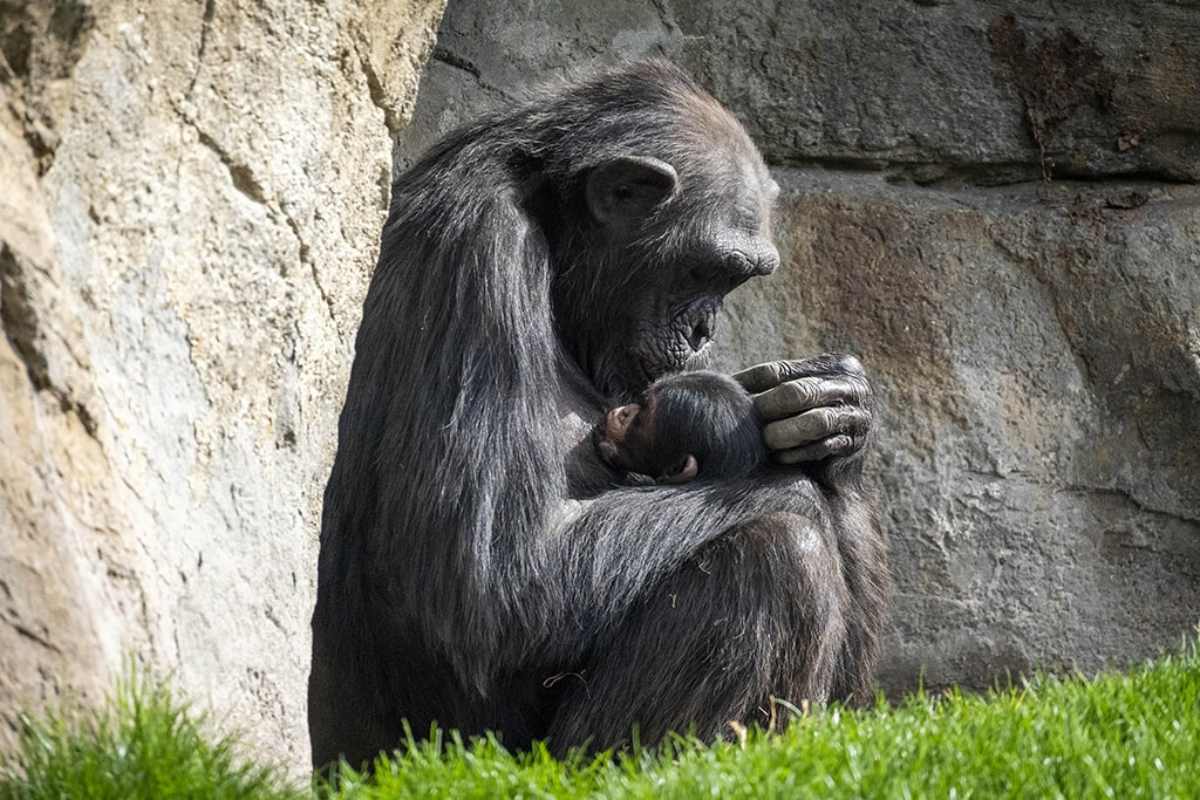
x=681 y=343
x=700 y=323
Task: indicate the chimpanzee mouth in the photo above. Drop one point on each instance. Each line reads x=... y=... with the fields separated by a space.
x=682 y=343
x=698 y=323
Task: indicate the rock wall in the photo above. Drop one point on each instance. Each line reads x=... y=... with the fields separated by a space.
x=994 y=205
x=191 y=195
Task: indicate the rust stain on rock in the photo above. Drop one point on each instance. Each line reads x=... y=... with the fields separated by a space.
x=1055 y=79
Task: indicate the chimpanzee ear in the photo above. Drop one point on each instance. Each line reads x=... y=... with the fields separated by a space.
x=682 y=472
x=625 y=190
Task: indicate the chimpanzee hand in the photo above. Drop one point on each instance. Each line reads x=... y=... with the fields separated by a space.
x=817 y=410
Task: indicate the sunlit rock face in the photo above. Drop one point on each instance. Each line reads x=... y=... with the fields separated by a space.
x=191 y=196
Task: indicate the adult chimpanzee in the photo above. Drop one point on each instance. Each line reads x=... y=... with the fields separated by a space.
x=476 y=567
x=694 y=424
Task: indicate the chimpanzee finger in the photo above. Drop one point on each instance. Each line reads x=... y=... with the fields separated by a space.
x=815 y=425
x=770 y=374
x=802 y=394
x=834 y=445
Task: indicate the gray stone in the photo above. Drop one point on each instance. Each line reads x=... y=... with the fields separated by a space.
x=990 y=91
x=996 y=90
x=191 y=196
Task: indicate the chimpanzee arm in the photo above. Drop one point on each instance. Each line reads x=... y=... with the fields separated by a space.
x=818 y=413
x=862 y=546
x=615 y=547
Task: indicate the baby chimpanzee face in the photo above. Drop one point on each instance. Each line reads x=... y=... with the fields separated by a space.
x=683 y=424
x=626 y=436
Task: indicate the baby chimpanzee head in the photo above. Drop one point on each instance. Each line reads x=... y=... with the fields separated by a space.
x=693 y=423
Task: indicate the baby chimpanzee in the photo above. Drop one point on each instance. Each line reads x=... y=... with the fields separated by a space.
x=693 y=423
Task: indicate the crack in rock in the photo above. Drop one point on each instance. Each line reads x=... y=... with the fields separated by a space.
x=376 y=91
x=244 y=180
x=1123 y=495
x=19 y=321
x=241 y=175
x=1117 y=493
x=664 y=15
x=33 y=636
x=312 y=266
x=447 y=56
x=210 y=11
x=444 y=55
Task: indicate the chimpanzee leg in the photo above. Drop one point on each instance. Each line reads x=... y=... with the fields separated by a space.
x=759 y=613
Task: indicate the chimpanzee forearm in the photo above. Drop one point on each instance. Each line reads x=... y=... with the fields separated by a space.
x=863 y=548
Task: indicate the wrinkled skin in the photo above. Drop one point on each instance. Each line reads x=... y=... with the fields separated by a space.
x=818 y=412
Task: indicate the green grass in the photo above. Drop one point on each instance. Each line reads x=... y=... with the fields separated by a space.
x=143 y=744
x=1134 y=734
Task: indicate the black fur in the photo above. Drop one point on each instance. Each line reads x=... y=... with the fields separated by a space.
x=473 y=570
x=706 y=415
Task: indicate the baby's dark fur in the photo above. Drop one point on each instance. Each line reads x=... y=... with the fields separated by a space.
x=705 y=415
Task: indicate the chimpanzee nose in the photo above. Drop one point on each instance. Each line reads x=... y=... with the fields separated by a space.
x=752 y=262
x=765 y=260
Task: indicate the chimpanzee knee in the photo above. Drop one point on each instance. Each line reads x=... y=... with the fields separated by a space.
x=757 y=615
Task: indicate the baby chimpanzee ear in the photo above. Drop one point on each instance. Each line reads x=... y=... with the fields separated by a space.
x=683 y=470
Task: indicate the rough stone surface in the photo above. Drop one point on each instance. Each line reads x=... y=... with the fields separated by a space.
x=190 y=202
x=1036 y=344
x=990 y=88
x=929 y=90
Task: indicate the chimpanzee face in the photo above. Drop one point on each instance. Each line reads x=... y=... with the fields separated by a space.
x=684 y=257
x=670 y=235
x=625 y=438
